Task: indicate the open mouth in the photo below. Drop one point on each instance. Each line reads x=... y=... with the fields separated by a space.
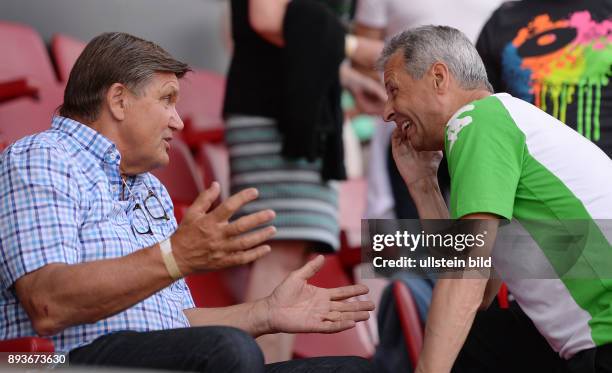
x=407 y=123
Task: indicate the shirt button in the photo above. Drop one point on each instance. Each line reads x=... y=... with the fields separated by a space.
x=114 y=188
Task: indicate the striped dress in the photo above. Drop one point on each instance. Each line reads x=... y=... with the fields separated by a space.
x=306 y=207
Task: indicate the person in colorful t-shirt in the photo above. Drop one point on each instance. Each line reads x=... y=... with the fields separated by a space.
x=500 y=167
x=556 y=55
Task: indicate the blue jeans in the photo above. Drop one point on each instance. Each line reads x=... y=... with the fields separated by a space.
x=200 y=349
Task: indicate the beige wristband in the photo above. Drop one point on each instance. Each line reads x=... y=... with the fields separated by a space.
x=169 y=261
x=350 y=45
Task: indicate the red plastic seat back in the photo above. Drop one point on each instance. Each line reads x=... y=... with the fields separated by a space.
x=16 y=88
x=24 y=55
x=201 y=100
x=356 y=341
x=211 y=289
x=25 y=116
x=65 y=51
x=213 y=159
x=181 y=176
x=27 y=344
x=351 y=205
x=409 y=320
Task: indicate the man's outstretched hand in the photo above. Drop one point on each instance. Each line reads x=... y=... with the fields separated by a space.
x=298 y=307
x=207 y=240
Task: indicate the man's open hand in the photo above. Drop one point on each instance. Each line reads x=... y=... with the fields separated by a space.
x=297 y=307
x=207 y=240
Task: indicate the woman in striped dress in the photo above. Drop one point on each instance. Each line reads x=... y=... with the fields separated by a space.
x=271 y=142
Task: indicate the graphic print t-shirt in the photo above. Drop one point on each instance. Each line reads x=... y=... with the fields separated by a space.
x=556 y=55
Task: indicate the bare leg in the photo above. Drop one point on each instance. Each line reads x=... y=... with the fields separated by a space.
x=267 y=273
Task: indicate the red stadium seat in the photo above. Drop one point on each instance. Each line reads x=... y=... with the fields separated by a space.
x=351 y=205
x=502 y=296
x=213 y=159
x=184 y=182
x=25 y=66
x=12 y=89
x=210 y=289
x=24 y=55
x=181 y=177
x=65 y=51
x=27 y=344
x=200 y=105
x=26 y=115
x=356 y=341
x=409 y=319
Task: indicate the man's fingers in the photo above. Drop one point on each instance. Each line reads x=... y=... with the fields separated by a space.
x=335 y=326
x=206 y=198
x=354 y=316
x=225 y=210
x=336 y=321
x=352 y=306
x=249 y=222
x=346 y=292
x=250 y=240
x=248 y=256
x=309 y=269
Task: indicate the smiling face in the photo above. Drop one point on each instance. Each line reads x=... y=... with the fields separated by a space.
x=149 y=124
x=416 y=106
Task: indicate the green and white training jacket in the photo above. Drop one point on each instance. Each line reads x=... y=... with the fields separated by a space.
x=509 y=158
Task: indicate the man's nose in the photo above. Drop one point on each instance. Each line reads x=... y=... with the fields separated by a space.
x=176 y=123
x=388 y=113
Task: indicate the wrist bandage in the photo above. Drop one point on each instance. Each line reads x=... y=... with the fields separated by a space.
x=169 y=261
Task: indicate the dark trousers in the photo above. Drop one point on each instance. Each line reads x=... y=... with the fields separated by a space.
x=200 y=349
x=505 y=340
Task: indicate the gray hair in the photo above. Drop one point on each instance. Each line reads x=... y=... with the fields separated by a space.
x=423 y=46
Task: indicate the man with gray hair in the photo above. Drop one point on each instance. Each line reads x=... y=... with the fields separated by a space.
x=507 y=159
x=92 y=256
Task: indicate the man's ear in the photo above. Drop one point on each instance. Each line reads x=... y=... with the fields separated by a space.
x=441 y=77
x=117 y=100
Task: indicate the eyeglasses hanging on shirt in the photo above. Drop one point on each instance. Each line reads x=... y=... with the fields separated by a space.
x=151 y=205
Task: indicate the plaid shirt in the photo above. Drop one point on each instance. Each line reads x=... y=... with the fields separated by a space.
x=60 y=201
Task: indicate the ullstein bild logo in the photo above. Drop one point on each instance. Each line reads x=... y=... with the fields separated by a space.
x=432 y=263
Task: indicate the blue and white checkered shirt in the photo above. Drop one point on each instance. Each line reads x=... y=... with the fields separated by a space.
x=61 y=201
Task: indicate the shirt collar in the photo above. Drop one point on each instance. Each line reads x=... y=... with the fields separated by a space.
x=89 y=139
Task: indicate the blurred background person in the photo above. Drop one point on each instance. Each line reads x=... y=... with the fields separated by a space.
x=284 y=127
x=556 y=55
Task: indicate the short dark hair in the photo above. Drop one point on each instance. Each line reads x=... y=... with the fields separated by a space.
x=113 y=57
